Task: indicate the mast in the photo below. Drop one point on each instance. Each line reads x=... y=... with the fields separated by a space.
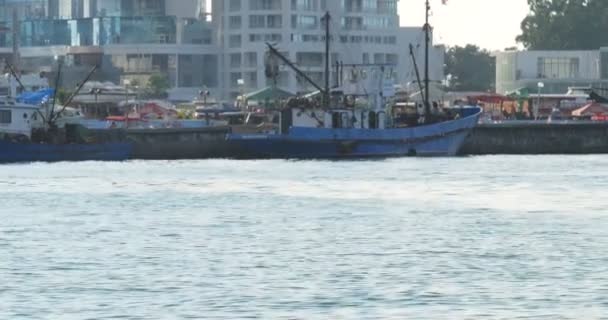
x=16 y=34
x=424 y=99
x=326 y=95
x=51 y=115
x=427 y=40
x=15 y=75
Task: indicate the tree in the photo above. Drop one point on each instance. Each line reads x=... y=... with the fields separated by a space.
x=158 y=85
x=62 y=96
x=471 y=68
x=565 y=25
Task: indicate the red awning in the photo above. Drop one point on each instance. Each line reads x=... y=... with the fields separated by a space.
x=490 y=98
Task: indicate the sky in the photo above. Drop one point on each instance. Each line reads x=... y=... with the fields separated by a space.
x=489 y=24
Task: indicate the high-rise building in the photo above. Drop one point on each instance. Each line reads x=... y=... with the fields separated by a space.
x=361 y=31
x=25 y=9
x=128 y=39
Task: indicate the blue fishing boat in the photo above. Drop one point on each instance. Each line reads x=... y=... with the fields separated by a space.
x=11 y=152
x=443 y=138
x=353 y=124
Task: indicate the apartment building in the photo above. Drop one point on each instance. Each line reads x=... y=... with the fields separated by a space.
x=362 y=31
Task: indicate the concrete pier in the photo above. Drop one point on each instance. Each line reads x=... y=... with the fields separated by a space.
x=529 y=137
x=173 y=144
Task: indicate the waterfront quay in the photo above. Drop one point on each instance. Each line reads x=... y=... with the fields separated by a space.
x=535 y=137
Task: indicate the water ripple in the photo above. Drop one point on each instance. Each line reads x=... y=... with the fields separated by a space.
x=465 y=238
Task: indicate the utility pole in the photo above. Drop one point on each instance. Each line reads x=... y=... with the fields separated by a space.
x=16 y=33
x=427 y=31
x=326 y=95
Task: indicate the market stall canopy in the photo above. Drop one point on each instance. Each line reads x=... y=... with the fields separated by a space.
x=268 y=93
x=520 y=93
x=591 y=109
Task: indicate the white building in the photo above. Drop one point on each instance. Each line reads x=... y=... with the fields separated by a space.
x=361 y=32
x=556 y=70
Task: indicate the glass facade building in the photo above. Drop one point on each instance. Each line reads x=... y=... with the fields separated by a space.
x=128 y=39
x=557 y=70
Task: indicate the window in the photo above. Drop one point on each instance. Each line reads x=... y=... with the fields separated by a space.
x=257 y=21
x=303 y=5
x=234 y=22
x=265 y=4
x=235 y=5
x=251 y=59
x=558 y=68
x=275 y=21
x=256 y=37
x=234 y=41
x=251 y=79
x=235 y=60
x=604 y=64
x=234 y=78
x=392 y=59
x=5 y=117
x=304 y=22
x=309 y=59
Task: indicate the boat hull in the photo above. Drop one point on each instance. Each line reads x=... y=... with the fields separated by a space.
x=441 y=139
x=33 y=152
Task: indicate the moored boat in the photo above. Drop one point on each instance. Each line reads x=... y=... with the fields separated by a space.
x=22 y=140
x=443 y=138
x=338 y=126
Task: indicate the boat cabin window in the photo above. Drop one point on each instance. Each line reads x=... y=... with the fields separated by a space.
x=336 y=119
x=233 y=118
x=373 y=121
x=255 y=119
x=340 y=119
x=5 y=116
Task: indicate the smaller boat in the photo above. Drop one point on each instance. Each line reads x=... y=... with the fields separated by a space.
x=25 y=138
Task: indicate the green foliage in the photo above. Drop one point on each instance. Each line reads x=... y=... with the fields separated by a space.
x=565 y=25
x=135 y=83
x=158 y=84
x=472 y=69
x=62 y=96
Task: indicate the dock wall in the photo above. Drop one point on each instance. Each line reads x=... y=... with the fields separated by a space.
x=173 y=144
x=538 y=138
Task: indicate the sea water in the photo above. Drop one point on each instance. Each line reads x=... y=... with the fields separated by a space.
x=497 y=237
